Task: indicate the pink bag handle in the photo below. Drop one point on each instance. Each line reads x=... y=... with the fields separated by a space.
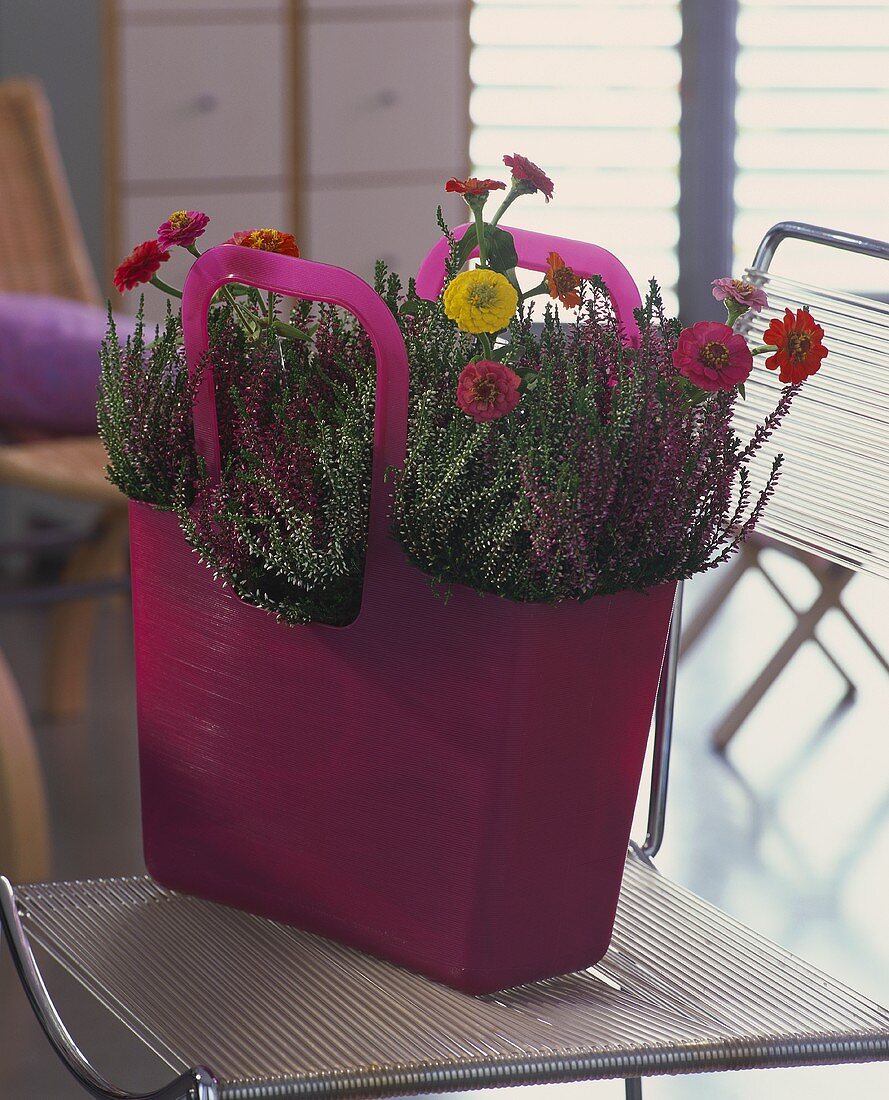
x=533 y=250
x=228 y=263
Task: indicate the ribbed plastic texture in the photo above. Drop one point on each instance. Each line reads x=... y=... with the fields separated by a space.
x=837 y=432
x=447 y=784
x=275 y=1012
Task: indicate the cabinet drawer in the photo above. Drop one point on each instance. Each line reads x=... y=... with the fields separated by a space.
x=387 y=96
x=141 y=215
x=203 y=102
x=353 y=227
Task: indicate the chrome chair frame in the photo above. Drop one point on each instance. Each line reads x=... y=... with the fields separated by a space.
x=806 y=1047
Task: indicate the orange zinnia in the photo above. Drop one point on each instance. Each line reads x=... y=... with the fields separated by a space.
x=798 y=340
x=473 y=186
x=562 y=281
x=266 y=240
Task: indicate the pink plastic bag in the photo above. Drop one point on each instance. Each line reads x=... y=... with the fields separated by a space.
x=449 y=786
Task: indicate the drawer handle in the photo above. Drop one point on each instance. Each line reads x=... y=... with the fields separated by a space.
x=206 y=103
x=386 y=97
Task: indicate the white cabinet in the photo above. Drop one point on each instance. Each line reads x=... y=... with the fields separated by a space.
x=337 y=120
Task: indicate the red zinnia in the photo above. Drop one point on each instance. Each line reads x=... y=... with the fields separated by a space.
x=472 y=186
x=266 y=240
x=140 y=265
x=487 y=390
x=527 y=173
x=799 y=343
x=183 y=227
x=562 y=281
x=712 y=356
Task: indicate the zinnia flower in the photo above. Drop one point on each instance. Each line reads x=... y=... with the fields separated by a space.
x=799 y=345
x=745 y=294
x=472 y=186
x=531 y=178
x=487 y=390
x=183 y=227
x=712 y=356
x=480 y=300
x=140 y=265
x=562 y=281
x=266 y=240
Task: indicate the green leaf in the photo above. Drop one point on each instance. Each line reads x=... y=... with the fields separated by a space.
x=502 y=255
x=467 y=243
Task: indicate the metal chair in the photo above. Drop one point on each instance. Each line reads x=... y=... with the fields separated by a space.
x=278 y=1013
x=831 y=570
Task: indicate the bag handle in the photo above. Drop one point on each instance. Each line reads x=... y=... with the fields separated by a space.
x=228 y=263
x=533 y=250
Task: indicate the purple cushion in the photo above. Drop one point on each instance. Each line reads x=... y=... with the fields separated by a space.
x=49 y=362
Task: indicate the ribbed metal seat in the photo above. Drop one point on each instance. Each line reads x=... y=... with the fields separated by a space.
x=275 y=1012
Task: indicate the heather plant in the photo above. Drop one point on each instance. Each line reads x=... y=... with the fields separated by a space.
x=544 y=461
x=144 y=413
x=286 y=523
x=603 y=477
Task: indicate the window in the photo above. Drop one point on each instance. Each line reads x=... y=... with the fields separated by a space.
x=812 y=144
x=591 y=94
x=590 y=91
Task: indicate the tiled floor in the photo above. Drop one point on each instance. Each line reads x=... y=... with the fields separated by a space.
x=789 y=832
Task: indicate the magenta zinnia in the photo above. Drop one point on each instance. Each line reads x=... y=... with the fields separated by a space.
x=183 y=227
x=487 y=390
x=528 y=176
x=712 y=356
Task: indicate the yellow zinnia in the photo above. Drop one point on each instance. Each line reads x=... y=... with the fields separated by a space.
x=480 y=300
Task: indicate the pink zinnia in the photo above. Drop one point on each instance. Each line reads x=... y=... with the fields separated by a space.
x=745 y=294
x=487 y=390
x=712 y=356
x=183 y=227
x=527 y=173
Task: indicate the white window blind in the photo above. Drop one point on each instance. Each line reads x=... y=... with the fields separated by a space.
x=589 y=90
x=812 y=139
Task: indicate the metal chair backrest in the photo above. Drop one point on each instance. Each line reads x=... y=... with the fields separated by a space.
x=833 y=495
x=42 y=250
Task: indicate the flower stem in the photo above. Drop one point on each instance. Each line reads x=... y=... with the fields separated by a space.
x=541 y=288
x=485 y=342
x=505 y=205
x=165 y=287
x=480 y=234
x=760 y=348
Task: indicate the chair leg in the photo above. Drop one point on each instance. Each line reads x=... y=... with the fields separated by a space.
x=747 y=558
x=72 y=622
x=832 y=585
x=24 y=822
x=633 y=1087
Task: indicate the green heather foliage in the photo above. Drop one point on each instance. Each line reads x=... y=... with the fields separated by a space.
x=144 y=413
x=286 y=524
x=605 y=477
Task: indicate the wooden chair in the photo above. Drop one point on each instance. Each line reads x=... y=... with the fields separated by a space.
x=42 y=251
x=24 y=825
